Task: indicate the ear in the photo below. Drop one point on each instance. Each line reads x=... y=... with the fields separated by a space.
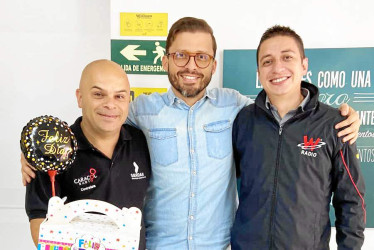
x=165 y=63
x=78 y=94
x=305 y=65
x=214 y=66
x=258 y=77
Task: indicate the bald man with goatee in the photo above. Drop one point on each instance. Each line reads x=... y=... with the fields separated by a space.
x=108 y=151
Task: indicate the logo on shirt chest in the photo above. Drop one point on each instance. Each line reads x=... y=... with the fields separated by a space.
x=308 y=147
x=86 y=179
x=137 y=175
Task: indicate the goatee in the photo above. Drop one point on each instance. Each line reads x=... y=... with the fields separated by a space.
x=192 y=92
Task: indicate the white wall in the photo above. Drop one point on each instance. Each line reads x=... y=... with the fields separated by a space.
x=45 y=44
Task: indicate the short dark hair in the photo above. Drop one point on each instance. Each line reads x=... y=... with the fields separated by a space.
x=278 y=30
x=189 y=24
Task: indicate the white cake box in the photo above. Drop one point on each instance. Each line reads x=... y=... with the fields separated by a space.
x=71 y=227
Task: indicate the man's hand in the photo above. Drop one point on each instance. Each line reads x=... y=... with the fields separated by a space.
x=353 y=121
x=27 y=171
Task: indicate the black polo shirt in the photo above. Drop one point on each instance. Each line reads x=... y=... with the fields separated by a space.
x=121 y=181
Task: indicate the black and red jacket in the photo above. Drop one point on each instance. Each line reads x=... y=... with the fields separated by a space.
x=288 y=176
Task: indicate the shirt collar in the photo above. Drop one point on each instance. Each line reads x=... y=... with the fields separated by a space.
x=83 y=143
x=171 y=98
x=304 y=92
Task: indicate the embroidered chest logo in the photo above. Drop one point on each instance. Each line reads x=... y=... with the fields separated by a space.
x=137 y=175
x=308 y=146
x=87 y=180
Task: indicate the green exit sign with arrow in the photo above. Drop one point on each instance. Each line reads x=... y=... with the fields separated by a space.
x=139 y=56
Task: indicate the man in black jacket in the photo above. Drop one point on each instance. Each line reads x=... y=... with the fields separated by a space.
x=291 y=161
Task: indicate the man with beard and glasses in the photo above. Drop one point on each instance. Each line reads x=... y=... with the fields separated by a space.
x=192 y=197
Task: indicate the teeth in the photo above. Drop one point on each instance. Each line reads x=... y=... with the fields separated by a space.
x=279 y=79
x=190 y=77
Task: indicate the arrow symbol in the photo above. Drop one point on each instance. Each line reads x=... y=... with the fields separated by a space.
x=130 y=52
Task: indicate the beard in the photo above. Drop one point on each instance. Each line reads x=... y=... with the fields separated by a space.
x=189 y=91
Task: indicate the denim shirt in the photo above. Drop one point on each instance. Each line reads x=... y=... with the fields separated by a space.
x=192 y=199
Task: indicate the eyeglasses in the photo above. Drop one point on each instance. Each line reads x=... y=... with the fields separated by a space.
x=181 y=59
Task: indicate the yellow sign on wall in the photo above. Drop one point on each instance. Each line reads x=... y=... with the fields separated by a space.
x=143 y=24
x=135 y=92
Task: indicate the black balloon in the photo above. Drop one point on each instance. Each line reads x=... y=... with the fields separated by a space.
x=48 y=144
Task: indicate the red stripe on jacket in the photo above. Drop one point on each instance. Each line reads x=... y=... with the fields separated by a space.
x=355 y=186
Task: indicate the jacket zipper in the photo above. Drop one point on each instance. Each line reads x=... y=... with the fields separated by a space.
x=275 y=184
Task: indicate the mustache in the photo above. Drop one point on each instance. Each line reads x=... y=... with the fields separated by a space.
x=187 y=71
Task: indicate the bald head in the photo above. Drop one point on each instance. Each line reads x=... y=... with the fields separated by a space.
x=104 y=96
x=99 y=68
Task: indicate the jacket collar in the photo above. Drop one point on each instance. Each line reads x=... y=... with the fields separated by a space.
x=312 y=104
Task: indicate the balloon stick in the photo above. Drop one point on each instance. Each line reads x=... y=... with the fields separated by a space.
x=52 y=174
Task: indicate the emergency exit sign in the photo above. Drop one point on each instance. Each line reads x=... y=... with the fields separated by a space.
x=139 y=56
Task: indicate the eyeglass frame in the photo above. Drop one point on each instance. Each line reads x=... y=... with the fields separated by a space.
x=189 y=58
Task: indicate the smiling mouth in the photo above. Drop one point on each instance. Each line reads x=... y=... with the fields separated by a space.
x=108 y=116
x=278 y=80
x=190 y=77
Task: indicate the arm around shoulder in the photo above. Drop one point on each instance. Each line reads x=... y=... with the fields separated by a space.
x=244 y=100
x=34 y=228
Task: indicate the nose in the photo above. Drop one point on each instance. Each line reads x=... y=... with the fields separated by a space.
x=278 y=66
x=109 y=103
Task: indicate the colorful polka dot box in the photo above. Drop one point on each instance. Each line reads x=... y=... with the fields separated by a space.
x=89 y=225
